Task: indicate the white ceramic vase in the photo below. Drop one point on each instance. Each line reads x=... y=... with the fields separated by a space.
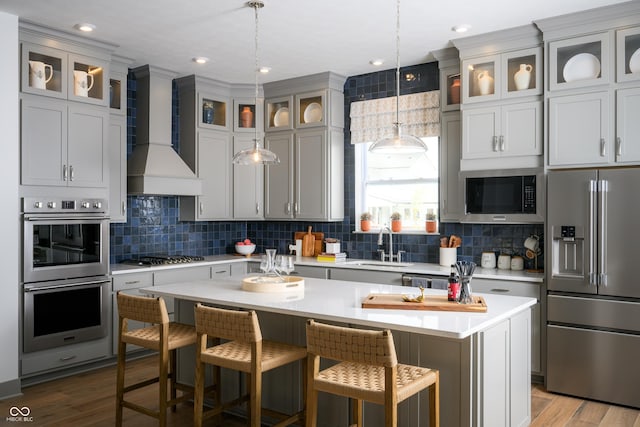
x=523 y=77
x=485 y=83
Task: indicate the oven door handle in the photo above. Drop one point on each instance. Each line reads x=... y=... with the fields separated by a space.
x=65 y=218
x=31 y=288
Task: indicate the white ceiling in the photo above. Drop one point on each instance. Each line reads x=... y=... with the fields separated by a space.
x=297 y=37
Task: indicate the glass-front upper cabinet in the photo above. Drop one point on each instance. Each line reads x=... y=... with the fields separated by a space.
x=522 y=73
x=628 y=54
x=88 y=80
x=579 y=62
x=212 y=112
x=511 y=74
x=247 y=116
x=44 y=71
x=278 y=114
x=479 y=79
x=450 y=98
x=310 y=109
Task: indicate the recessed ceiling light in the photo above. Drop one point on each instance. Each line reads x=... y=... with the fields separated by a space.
x=85 y=27
x=264 y=70
x=200 y=60
x=460 y=28
x=376 y=62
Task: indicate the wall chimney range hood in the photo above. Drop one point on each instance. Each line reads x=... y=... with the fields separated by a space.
x=154 y=167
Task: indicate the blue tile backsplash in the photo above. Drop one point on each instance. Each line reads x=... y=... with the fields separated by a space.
x=153 y=228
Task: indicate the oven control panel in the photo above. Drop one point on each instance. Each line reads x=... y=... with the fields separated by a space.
x=60 y=205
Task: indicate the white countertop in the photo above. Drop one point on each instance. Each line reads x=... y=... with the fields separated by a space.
x=409 y=268
x=340 y=301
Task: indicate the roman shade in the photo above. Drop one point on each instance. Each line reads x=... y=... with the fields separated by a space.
x=373 y=119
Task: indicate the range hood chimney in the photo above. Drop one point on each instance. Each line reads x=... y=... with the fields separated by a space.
x=154 y=167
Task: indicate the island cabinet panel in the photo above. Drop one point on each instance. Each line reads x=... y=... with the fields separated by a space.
x=368 y=276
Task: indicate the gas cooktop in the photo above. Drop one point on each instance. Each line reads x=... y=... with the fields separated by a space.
x=163 y=259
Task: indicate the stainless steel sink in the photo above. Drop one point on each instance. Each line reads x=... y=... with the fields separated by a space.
x=367 y=263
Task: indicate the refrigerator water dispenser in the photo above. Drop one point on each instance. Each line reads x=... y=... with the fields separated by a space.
x=567 y=251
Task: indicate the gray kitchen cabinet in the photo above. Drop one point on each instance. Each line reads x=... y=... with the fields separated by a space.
x=118 y=141
x=248 y=183
x=501 y=132
x=367 y=276
x=307 y=184
x=63 y=143
x=210 y=158
x=592 y=93
x=205 y=146
x=41 y=362
x=519 y=289
x=451 y=195
x=502 y=122
x=579 y=129
x=304 y=122
x=308 y=271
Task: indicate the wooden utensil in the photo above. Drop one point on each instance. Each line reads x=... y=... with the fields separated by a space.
x=308 y=243
x=319 y=235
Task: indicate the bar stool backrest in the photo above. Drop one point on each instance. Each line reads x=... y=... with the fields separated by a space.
x=233 y=325
x=351 y=345
x=142 y=309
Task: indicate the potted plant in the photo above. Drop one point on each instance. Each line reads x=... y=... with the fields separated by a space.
x=396 y=222
x=431 y=221
x=365 y=221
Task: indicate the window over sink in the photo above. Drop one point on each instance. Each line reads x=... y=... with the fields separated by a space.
x=404 y=183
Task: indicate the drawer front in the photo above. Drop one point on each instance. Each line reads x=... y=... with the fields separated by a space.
x=178 y=275
x=132 y=281
x=621 y=315
x=506 y=287
x=62 y=357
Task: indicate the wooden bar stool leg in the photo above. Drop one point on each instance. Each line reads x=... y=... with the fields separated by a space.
x=164 y=368
x=198 y=398
x=434 y=402
x=255 y=398
x=357 y=412
x=120 y=382
x=172 y=377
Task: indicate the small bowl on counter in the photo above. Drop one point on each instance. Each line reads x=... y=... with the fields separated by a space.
x=245 y=249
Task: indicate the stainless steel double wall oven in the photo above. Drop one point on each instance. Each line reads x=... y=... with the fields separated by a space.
x=65 y=271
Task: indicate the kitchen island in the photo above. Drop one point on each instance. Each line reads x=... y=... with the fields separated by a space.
x=483 y=358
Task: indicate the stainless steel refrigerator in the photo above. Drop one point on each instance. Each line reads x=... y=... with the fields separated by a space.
x=593 y=282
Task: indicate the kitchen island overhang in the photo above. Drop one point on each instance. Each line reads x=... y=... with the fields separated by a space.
x=484 y=358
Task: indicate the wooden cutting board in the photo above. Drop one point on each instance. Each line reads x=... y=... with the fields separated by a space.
x=319 y=236
x=430 y=302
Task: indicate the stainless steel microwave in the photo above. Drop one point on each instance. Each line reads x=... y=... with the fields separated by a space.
x=513 y=196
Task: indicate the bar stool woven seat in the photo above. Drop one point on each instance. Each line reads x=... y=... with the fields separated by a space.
x=164 y=337
x=368 y=370
x=245 y=352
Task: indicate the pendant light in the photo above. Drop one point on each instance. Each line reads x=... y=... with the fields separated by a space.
x=398 y=143
x=256 y=155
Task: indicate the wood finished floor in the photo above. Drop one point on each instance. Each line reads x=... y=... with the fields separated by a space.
x=88 y=400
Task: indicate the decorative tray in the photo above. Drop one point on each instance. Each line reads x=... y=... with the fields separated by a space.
x=272 y=284
x=430 y=302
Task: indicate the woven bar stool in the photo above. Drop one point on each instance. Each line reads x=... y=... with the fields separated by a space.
x=368 y=371
x=164 y=337
x=245 y=351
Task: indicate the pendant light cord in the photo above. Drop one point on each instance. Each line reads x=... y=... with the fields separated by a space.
x=398 y=62
x=256 y=6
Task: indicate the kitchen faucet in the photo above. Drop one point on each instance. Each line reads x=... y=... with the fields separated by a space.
x=389 y=256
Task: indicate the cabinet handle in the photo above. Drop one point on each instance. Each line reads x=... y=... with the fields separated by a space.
x=618 y=146
x=64 y=172
x=66 y=358
x=296 y=208
x=201 y=207
x=495 y=143
x=220 y=272
x=500 y=290
x=501 y=142
x=603 y=148
x=124 y=208
x=71 y=175
x=287 y=208
x=133 y=282
x=257 y=207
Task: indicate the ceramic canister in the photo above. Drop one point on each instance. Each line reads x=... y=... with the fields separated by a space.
x=488 y=260
x=504 y=262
